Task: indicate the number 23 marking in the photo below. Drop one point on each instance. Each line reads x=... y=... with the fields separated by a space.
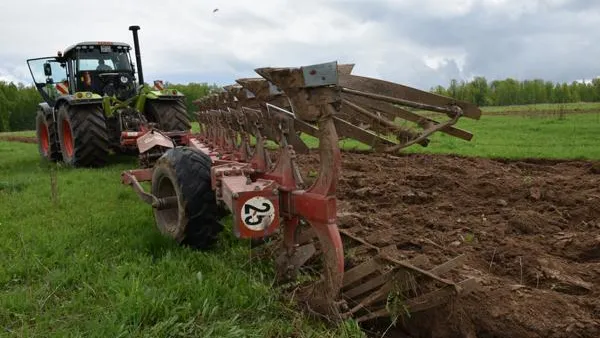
x=253 y=211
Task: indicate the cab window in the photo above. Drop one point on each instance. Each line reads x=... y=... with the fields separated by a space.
x=96 y=59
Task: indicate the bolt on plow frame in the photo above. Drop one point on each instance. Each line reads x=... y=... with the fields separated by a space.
x=228 y=166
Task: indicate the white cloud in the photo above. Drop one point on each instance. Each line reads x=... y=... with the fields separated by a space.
x=15 y=75
x=416 y=42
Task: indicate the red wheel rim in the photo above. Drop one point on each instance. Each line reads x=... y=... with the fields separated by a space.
x=67 y=138
x=44 y=139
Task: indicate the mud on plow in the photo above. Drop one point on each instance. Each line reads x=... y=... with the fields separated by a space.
x=227 y=166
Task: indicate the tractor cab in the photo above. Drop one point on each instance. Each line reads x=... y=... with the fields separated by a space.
x=103 y=68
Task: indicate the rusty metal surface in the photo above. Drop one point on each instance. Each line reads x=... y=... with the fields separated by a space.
x=329 y=103
x=152 y=139
x=369 y=111
x=401 y=92
x=317 y=103
x=393 y=111
x=133 y=178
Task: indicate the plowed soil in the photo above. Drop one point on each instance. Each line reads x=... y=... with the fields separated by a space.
x=14 y=138
x=530 y=229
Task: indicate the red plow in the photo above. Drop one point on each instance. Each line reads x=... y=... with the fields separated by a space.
x=228 y=167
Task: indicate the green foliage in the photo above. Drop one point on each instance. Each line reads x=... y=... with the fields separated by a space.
x=91 y=263
x=18 y=106
x=513 y=92
x=573 y=136
x=193 y=91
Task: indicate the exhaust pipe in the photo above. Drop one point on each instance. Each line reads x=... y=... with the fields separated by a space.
x=138 y=58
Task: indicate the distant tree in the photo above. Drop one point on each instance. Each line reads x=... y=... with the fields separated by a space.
x=510 y=91
x=440 y=90
x=479 y=91
x=193 y=91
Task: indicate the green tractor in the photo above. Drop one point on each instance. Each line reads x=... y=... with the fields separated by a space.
x=94 y=104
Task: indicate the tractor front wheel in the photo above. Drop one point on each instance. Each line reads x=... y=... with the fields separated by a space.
x=183 y=175
x=45 y=130
x=83 y=135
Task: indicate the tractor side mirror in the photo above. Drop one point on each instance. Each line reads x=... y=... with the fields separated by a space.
x=47 y=69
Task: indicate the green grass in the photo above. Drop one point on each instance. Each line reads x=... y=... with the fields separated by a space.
x=27 y=133
x=519 y=136
x=575 y=136
x=92 y=264
x=539 y=108
x=544 y=107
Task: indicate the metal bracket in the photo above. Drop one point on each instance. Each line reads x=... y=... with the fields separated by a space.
x=323 y=74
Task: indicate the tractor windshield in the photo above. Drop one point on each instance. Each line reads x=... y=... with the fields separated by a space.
x=96 y=58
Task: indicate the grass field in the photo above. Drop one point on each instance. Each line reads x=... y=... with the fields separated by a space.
x=516 y=136
x=89 y=262
x=544 y=107
x=575 y=136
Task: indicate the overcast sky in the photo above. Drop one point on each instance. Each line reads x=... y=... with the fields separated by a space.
x=420 y=43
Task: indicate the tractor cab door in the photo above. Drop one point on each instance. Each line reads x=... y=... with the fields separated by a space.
x=50 y=77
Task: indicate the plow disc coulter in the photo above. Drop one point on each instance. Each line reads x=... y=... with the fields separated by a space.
x=228 y=166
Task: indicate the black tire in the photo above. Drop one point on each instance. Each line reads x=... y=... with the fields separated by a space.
x=83 y=135
x=195 y=220
x=171 y=115
x=47 y=138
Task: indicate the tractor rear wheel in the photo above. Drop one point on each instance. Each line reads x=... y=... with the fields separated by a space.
x=170 y=115
x=45 y=130
x=194 y=219
x=83 y=135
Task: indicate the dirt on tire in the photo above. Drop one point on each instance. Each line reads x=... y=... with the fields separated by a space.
x=83 y=136
x=170 y=115
x=195 y=219
x=530 y=228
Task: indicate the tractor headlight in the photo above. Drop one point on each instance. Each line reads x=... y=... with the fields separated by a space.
x=88 y=95
x=124 y=79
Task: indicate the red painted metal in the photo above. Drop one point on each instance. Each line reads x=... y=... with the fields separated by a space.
x=152 y=139
x=68 y=142
x=140 y=175
x=237 y=193
x=146 y=139
x=246 y=180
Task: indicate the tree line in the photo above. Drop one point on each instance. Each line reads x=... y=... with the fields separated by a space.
x=18 y=103
x=514 y=92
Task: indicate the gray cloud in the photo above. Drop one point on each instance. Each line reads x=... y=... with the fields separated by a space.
x=542 y=40
x=421 y=43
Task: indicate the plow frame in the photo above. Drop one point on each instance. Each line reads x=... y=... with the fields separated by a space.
x=264 y=197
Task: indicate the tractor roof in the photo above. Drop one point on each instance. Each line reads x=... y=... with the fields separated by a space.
x=95 y=43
